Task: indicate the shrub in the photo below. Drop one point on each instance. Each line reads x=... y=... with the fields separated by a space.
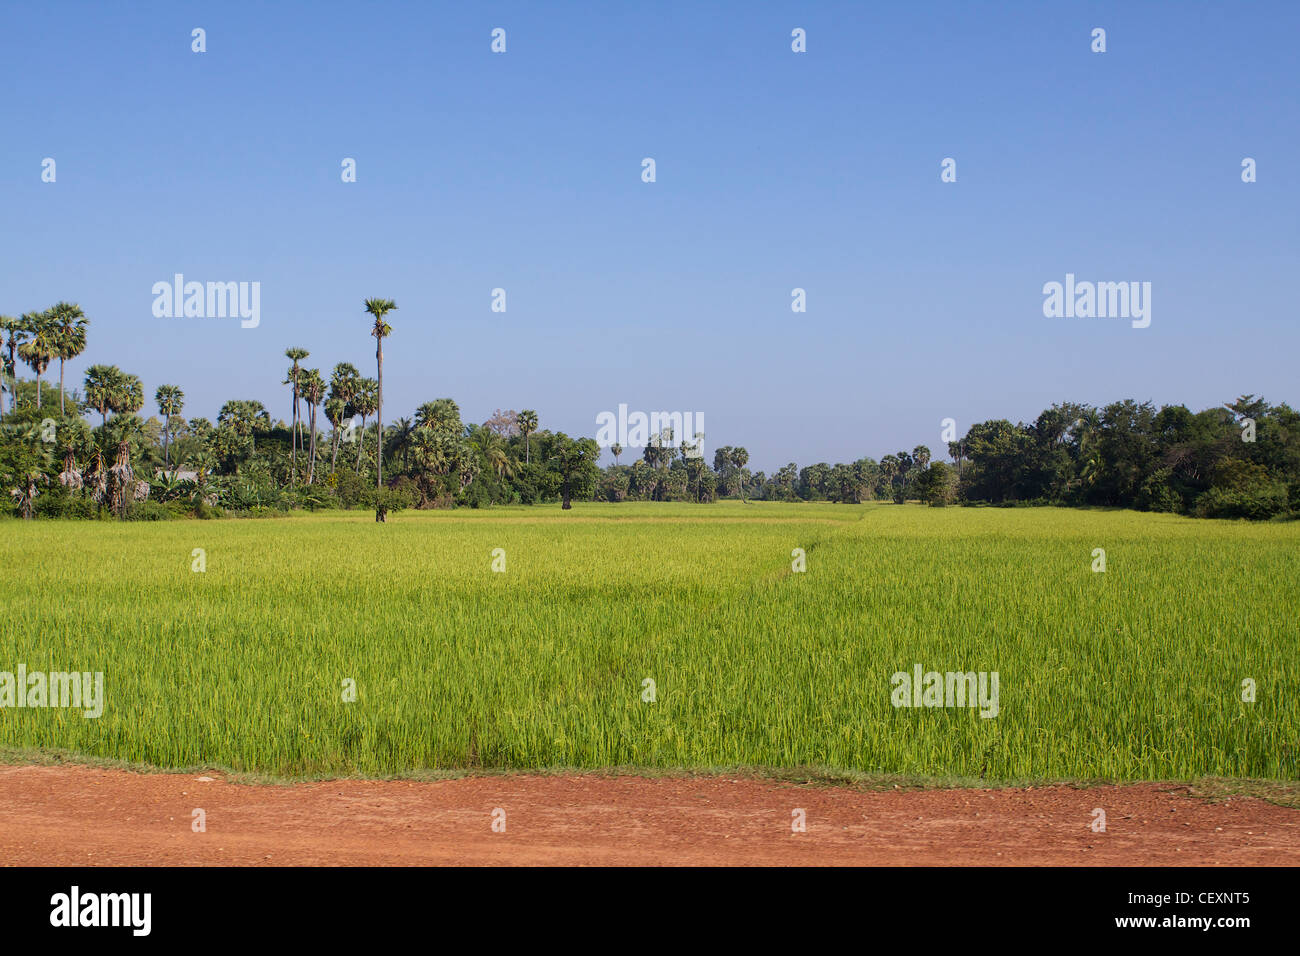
x=149 y=511
x=1257 y=501
x=58 y=502
x=349 y=487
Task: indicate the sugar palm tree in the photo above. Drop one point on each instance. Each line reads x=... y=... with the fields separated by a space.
x=102 y=382
x=739 y=458
x=70 y=477
x=122 y=478
x=313 y=393
x=170 y=401
x=69 y=336
x=527 y=425
x=38 y=348
x=364 y=403
x=14 y=326
x=245 y=418
x=96 y=477
x=128 y=396
x=403 y=434
x=379 y=308
x=343 y=388
x=336 y=413
x=493 y=449
x=297 y=355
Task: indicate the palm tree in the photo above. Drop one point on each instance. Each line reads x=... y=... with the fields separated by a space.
x=297 y=354
x=69 y=336
x=889 y=470
x=128 y=396
x=380 y=308
x=527 y=425
x=123 y=477
x=245 y=418
x=96 y=477
x=38 y=349
x=313 y=393
x=14 y=327
x=739 y=458
x=70 y=477
x=170 y=401
x=364 y=403
x=442 y=415
x=343 y=388
x=493 y=449
x=336 y=412
x=102 y=382
x=616 y=449
x=403 y=434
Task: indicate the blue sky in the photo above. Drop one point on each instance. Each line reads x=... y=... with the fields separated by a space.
x=775 y=170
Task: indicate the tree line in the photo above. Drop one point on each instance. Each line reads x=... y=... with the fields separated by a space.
x=1239 y=460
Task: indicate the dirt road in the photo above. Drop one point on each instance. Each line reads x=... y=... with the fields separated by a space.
x=68 y=815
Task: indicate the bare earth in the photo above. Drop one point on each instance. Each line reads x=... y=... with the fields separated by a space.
x=70 y=816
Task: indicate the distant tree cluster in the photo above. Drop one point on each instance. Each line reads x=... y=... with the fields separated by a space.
x=1241 y=460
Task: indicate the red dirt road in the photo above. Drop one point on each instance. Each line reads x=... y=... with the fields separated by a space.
x=71 y=816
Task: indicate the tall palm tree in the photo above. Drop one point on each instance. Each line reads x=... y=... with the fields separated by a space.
x=128 y=396
x=102 y=382
x=313 y=393
x=740 y=458
x=38 y=349
x=527 y=424
x=297 y=354
x=365 y=403
x=381 y=330
x=69 y=336
x=170 y=401
x=14 y=326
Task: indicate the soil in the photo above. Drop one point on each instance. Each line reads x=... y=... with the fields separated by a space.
x=78 y=816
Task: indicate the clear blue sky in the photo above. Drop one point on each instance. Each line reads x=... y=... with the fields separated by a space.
x=775 y=170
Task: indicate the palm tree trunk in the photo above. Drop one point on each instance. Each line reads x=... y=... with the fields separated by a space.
x=13 y=377
x=293 y=439
x=38 y=391
x=379 y=414
x=60 y=387
x=311 y=455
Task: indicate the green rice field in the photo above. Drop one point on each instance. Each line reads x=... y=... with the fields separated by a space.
x=1132 y=674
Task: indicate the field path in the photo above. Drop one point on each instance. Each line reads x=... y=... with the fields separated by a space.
x=68 y=815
